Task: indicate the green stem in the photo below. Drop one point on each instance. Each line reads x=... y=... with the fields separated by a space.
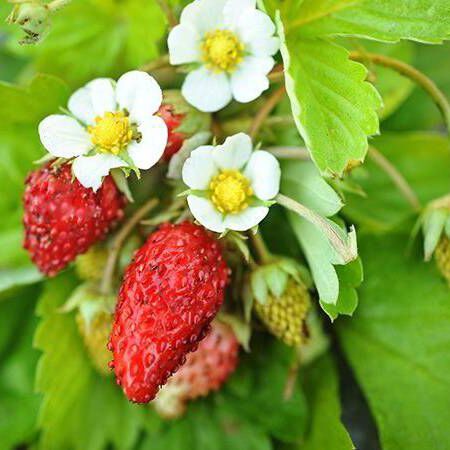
x=118 y=242
x=56 y=5
x=397 y=178
x=345 y=246
x=168 y=11
x=300 y=153
x=413 y=74
x=260 y=247
x=156 y=64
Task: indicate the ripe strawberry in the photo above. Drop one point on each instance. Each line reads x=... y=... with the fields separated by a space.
x=285 y=316
x=442 y=256
x=170 y=293
x=205 y=370
x=182 y=120
x=63 y=219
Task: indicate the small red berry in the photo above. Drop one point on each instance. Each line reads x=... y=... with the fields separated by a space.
x=175 y=139
x=170 y=294
x=62 y=219
x=205 y=370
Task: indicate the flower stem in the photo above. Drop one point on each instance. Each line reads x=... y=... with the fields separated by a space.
x=168 y=11
x=345 y=245
x=397 y=178
x=118 y=242
x=265 y=111
x=412 y=73
x=300 y=153
x=156 y=64
x=260 y=247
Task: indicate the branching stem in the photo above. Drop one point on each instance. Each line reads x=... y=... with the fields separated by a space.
x=413 y=74
x=260 y=247
x=118 y=242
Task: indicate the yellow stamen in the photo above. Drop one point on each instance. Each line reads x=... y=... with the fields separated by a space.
x=112 y=132
x=230 y=191
x=222 y=51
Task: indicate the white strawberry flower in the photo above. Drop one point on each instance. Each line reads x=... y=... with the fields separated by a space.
x=110 y=125
x=230 y=44
x=231 y=186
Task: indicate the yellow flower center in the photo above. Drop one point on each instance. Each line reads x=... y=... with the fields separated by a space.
x=230 y=191
x=222 y=50
x=112 y=132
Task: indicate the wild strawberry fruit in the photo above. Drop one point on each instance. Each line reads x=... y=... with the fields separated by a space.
x=170 y=294
x=442 y=256
x=285 y=316
x=205 y=370
x=63 y=219
x=182 y=121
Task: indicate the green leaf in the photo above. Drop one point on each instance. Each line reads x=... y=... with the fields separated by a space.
x=80 y=410
x=14 y=278
x=384 y=20
x=19 y=403
x=397 y=345
x=92 y=38
x=322 y=390
x=423 y=159
x=334 y=108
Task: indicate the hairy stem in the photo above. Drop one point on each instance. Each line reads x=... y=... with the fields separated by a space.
x=265 y=111
x=413 y=74
x=118 y=242
x=345 y=246
x=156 y=64
x=397 y=178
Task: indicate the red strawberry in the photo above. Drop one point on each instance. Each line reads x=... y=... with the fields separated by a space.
x=170 y=293
x=205 y=370
x=173 y=121
x=63 y=219
x=182 y=120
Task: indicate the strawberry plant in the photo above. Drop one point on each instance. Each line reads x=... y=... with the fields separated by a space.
x=226 y=224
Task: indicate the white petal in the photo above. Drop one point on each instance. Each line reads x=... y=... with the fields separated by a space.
x=184 y=45
x=247 y=219
x=90 y=170
x=250 y=79
x=139 y=93
x=263 y=46
x=263 y=171
x=254 y=25
x=203 y=15
x=148 y=151
x=207 y=91
x=93 y=100
x=234 y=152
x=64 y=137
x=199 y=168
x=205 y=213
x=233 y=10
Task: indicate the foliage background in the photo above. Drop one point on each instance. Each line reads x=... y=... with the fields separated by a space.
x=387 y=373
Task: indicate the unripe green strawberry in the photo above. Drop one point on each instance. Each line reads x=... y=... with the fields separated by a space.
x=285 y=316
x=90 y=265
x=95 y=335
x=442 y=256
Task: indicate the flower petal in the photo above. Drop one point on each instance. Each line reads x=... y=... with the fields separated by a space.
x=140 y=94
x=90 y=170
x=184 y=45
x=203 y=15
x=254 y=25
x=263 y=171
x=63 y=136
x=207 y=91
x=92 y=100
x=250 y=79
x=246 y=219
x=205 y=213
x=233 y=10
x=234 y=152
x=148 y=151
x=199 y=168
